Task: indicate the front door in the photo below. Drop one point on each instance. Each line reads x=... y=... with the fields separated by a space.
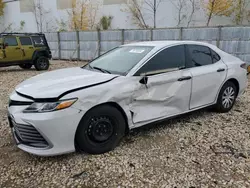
x=208 y=74
x=168 y=88
x=12 y=50
x=27 y=47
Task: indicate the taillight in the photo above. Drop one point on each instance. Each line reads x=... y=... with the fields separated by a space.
x=244 y=66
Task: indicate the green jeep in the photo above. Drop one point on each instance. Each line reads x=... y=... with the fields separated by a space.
x=25 y=50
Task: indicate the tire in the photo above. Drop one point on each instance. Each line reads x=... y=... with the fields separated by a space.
x=228 y=93
x=100 y=130
x=25 y=66
x=42 y=63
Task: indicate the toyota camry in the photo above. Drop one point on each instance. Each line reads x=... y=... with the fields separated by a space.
x=90 y=108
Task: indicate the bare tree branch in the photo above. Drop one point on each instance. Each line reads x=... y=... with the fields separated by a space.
x=180 y=5
x=194 y=7
x=40 y=14
x=138 y=11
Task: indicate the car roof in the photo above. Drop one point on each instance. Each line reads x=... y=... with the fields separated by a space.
x=161 y=44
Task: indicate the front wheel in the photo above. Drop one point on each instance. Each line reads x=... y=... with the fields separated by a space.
x=226 y=98
x=42 y=63
x=100 y=130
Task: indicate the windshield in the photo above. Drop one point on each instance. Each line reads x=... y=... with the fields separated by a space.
x=121 y=60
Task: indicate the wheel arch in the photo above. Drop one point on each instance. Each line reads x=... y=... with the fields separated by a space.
x=113 y=104
x=38 y=53
x=236 y=83
x=233 y=80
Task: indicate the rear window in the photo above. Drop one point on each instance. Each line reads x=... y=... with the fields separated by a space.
x=38 y=41
x=215 y=56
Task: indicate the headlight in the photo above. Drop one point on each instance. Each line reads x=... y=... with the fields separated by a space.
x=49 y=106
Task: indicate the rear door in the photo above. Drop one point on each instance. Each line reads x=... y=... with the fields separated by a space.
x=168 y=89
x=208 y=74
x=12 y=49
x=27 y=47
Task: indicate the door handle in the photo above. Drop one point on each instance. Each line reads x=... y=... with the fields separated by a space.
x=221 y=70
x=184 y=78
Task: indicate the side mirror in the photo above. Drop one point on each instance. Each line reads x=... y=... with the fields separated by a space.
x=144 y=80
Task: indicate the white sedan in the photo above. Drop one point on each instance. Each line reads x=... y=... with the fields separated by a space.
x=90 y=108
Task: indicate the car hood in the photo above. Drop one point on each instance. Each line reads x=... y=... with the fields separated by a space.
x=55 y=83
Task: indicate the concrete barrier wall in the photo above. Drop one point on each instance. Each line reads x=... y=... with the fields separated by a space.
x=86 y=45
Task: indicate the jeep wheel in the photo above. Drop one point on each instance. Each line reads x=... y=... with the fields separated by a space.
x=25 y=66
x=42 y=63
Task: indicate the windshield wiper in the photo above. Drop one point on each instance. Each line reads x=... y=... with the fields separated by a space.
x=100 y=69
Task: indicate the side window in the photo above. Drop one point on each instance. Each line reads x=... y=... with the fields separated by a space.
x=169 y=58
x=25 y=41
x=215 y=57
x=200 y=55
x=11 y=41
x=38 y=41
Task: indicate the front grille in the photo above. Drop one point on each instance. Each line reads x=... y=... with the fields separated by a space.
x=28 y=135
x=19 y=103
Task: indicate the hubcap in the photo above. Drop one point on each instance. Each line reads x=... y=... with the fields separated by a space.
x=43 y=63
x=100 y=129
x=228 y=97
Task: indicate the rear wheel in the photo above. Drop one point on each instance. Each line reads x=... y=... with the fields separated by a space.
x=226 y=98
x=100 y=130
x=42 y=63
x=26 y=66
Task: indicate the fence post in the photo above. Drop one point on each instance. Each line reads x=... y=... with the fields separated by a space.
x=219 y=37
x=151 y=35
x=78 y=45
x=181 y=33
x=59 y=45
x=99 y=41
x=122 y=33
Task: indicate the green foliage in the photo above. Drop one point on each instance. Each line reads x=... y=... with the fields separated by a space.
x=105 y=22
x=62 y=25
x=2 y=8
x=22 y=24
x=241 y=11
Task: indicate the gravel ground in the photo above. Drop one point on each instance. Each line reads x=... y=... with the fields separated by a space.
x=201 y=149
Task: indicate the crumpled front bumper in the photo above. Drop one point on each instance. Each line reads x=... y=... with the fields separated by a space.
x=56 y=128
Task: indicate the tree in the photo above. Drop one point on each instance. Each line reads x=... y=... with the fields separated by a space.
x=92 y=12
x=194 y=6
x=241 y=11
x=2 y=4
x=135 y=8
x=105 y=22
x=181 y=6
x=61 y=25
x=41 y=15
x=218 y=8
x=78 y=15
x=140 y=9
